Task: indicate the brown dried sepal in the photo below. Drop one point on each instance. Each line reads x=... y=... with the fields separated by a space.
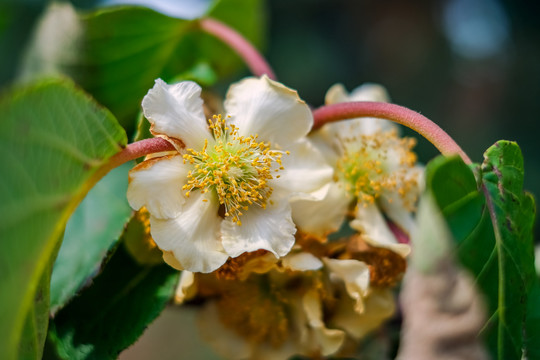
x=386 y=267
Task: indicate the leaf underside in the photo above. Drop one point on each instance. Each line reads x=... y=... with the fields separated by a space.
x=54 y=139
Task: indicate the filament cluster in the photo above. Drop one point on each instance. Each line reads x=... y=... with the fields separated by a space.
x=237 y=168
x=375 y=163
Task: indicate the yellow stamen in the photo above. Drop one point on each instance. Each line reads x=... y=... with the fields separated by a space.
x=364 y=166
x=237 y=168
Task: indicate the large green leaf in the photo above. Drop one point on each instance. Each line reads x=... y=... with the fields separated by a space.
x=35 y=324
x=53 y=140
x=123 y=49
x=116 y=53
x=90 y=232
x=113 y=312
x=512 y=213
x=498 y=249
x=246 y=17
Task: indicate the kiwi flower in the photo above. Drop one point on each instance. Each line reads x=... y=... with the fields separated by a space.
x=376 y=176
x=262 y=308
x=227 y=188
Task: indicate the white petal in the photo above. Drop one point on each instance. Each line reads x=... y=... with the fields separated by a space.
x=329 y=340
x=267 y=108
x=301 y=262
x=369 y=92
x=193 y=236
x=336 y=94
x=172 y=261
x=305 y=173
x=186 y=288
x=379 y=306
x=397 y=208
x=327 y=144
x=325 y=216
x=177 y=111
x=365 y=125
x=370 y=222
x=270 y=229
x=157 y=185
x=258 y=265
x=366 y=92
x=355 y=275
x=397 y=212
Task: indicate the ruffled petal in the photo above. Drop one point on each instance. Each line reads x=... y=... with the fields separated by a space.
x=328 y=145
x=186 y=288
x=365 y=125
x=328 y=340
x=270 y=229
x=157 y=185
x=394 y=209
x=305 y=173
x=193 y=236
x=267 y=108
x=355 y=276
x=302 y=261
x=322 y=217
x=177 y=111
x=379 y=306
x=399 y=207
x=370 y=222
x=172 y=261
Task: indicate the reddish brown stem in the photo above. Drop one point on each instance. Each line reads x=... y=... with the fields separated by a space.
x=141 y=148
x=133 y=151
x=419 y=123
x=253 y=59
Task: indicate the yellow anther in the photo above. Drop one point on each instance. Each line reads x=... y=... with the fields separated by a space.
x=237 y=168
x=362 y=166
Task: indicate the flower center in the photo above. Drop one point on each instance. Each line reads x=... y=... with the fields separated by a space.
x=236 y=167
x=373 y=164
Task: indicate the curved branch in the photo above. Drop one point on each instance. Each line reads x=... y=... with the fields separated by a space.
x=411 y=119
x=253 y=59
x=131 y=152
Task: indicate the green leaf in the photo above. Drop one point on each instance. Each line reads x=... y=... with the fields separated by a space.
x=90 y=232
x=512 y=213
x=201 y=73
x=35 y=325
x=499 y=252
x=246 y=17
x=117 y=53
x=53 y=140
x=532 y=325
x=113 y=312
x=124 y=50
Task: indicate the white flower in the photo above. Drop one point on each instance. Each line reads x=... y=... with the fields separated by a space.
x=226 y=190
x=299 y=305
x=375 y=175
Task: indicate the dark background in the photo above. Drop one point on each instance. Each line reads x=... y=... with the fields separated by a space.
x=471 y=66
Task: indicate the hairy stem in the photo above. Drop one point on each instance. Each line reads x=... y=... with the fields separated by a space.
x=133 y=151
x=253 y=59
x=419 y=123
